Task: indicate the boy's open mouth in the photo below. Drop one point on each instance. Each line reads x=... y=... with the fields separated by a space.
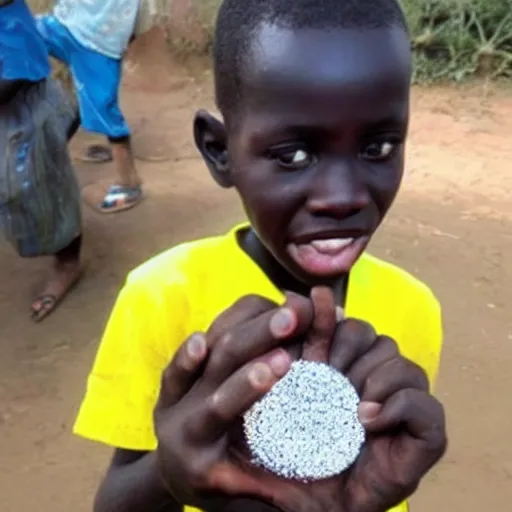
x=328 y=257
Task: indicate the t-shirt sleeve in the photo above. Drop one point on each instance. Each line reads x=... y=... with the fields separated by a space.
x=142 y=334
x=425 y=330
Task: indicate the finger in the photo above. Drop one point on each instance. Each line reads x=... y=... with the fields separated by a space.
x=391 y=377
x=183 y=370
x=413 y=424
x=419 y=413
x=236 y=395
x=231 y=480
x=352 y=339
x=294 y=300
x=246 y=308
x=256 y=337
x=318 y=341
x=382 y=350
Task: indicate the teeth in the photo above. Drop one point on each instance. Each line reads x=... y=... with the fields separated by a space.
x=332 y=244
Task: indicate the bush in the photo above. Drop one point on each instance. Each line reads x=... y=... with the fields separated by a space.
x=457 y=39
x=452 y=39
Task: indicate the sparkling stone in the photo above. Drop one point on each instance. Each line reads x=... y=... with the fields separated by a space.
x=306 y=428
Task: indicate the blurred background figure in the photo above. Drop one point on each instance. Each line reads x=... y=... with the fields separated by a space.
x=91 y=37
x=39 y=195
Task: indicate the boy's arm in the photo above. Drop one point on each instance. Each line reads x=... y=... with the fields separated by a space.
x=132 y=484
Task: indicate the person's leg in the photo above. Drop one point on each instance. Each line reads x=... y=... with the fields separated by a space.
x=100 y=113
x=66 y=268
x=123 y=158
x=55 y=37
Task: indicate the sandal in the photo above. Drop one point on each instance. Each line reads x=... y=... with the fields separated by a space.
x=48 y=303
x=119 y=198
x=97 y=154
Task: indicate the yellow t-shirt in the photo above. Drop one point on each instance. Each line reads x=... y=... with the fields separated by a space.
x=184 y=289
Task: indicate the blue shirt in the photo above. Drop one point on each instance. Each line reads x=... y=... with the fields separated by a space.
x=104 y=26
x=23 y=53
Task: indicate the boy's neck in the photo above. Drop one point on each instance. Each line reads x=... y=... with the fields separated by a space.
x=283 y=280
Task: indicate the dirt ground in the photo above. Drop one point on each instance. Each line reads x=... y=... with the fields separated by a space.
x=452 y=226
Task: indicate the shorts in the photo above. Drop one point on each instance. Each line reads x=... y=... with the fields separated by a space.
x=40 y=202
x=96 y=77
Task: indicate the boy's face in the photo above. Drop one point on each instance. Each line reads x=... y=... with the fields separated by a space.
x=316 y=151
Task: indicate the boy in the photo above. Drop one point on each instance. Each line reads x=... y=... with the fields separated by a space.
x=91 y=37
x=315 y=99
x=39 y=194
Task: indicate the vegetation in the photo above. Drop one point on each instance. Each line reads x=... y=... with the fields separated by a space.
x=458 y=39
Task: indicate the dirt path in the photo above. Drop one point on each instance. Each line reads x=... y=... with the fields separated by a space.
x=452 y=226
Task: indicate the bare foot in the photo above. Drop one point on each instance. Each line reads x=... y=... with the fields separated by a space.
x=62 y=279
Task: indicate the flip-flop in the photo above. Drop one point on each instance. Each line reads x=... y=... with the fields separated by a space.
x=49 y=302
x=97 y=154
x=119 y=198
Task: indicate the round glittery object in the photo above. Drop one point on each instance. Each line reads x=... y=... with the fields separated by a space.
x=306 y=427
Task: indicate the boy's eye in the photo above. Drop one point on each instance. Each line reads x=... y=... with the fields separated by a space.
x=294 y=159
x=379 y=150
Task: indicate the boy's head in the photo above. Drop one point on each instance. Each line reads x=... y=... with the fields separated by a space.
x=315 y=100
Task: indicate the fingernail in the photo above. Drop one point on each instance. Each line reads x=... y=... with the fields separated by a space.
x=368 y=412
x=260 y=375
x=281 y=322
x=340 y=314
x=280 y=363
x=196 y=346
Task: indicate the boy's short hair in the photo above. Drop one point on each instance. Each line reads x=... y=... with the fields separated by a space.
x=238 y=20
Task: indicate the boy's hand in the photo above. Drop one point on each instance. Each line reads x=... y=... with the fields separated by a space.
x=210 y=383
x=405 y=425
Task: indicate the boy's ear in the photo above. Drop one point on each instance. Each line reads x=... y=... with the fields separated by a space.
x=211 y=140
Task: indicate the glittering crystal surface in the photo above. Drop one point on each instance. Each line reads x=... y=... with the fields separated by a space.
x=306 y=428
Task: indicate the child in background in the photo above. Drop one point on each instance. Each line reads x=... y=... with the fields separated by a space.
x=91 y=38
x=314 y=96
x=39 y=194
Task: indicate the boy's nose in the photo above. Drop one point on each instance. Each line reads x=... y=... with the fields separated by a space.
x=338 y=192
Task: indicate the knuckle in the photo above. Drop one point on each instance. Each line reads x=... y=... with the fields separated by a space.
x=360 y=329
x=227 y=348
x=372 y=383
x=357 y=336
x=213 y=410
x=223 y=350
x=225 y=342
x=404 y=398
x=407 y=484
x=436 y=438
x=437 y=445
x=389 y=345
x=254 y=302
x=419 y=375
x=410 y=373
